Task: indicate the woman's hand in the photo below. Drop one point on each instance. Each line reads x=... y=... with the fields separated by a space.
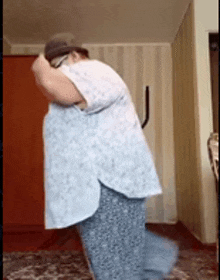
x=54 y=84
x=40 y=65
x=39 y=68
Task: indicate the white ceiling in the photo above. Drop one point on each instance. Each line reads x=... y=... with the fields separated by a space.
x=92 y=21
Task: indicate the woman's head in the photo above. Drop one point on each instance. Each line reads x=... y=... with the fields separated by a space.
x=84 y=53
x=61 y=46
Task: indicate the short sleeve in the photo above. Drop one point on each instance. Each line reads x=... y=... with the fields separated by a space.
x=98 y=83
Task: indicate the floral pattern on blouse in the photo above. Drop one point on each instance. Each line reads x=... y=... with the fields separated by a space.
x=102 y=142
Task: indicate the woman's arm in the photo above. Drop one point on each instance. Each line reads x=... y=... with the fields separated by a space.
x=54 y=84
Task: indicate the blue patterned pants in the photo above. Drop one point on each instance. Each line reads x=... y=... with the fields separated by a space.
x=118 y=246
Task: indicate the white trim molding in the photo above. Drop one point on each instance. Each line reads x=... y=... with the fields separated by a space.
x=27 y=49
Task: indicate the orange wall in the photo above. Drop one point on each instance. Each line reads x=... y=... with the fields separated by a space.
x=24 y=110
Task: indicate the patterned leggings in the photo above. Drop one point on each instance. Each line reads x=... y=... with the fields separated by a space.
x=117 y=245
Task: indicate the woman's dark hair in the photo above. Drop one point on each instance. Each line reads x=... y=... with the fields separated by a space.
x=59 y=47
x=83 y=52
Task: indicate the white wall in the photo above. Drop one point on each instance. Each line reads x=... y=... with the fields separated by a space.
x=206 y=14
x=206 y=21
x=6 y=46
x=188 y=181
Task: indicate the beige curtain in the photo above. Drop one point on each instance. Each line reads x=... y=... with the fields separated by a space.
x=142 y=65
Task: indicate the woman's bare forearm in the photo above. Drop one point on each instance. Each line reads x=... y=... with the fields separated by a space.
x=54 y=84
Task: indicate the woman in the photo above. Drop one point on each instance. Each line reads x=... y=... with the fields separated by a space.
x=98 y=167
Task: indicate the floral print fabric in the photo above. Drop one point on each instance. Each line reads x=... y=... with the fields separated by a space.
x=117 y=245
x=104 y=141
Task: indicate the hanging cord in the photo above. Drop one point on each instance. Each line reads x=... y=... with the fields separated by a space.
x=147 y=99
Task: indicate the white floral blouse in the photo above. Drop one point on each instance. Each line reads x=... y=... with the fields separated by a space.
x=102 y=142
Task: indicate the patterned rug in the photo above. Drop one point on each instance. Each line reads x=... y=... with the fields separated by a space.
x=72 y=265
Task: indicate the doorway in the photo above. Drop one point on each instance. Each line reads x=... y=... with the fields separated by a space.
x=214 y=64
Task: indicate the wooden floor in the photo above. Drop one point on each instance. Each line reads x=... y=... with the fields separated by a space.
x=68 y=239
